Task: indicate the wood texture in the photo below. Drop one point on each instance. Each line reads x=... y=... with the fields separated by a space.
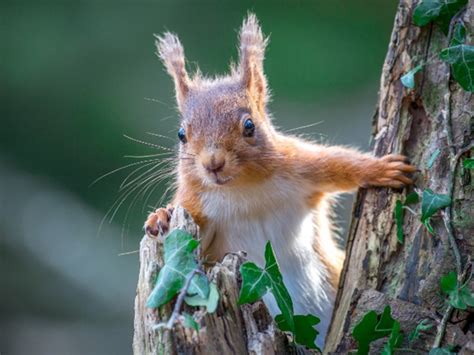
x=247 y=329
x=435 y=117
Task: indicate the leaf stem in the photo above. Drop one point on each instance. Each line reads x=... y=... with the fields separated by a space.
x=442 y=327
x=447 y=214
x=181 y=296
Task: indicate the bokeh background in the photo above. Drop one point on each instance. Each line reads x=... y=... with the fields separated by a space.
x=76 y=76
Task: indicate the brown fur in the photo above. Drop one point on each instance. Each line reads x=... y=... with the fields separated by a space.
x=213 y=112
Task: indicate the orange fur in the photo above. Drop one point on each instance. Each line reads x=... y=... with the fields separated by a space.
x=214 y=113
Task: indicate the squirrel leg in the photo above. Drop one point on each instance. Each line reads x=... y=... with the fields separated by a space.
x=339 y=169
x=389 y=171
x=157 y=222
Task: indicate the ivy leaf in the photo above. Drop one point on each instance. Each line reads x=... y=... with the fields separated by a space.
x=305 y=333
x=428 y=226
x=439 y=11
x=210 y=302
x=461 y=58
x=468 y=163
x=408 y=79
x=423 y=326
x=467 y=296
x=398 y=213
x=431 y=203
x=180 y=260
x=432 y=159
x=458 y=296
x=372 y=327
x=426 y=11
x=459 y=34
x=412 y=198
x=189 y=322
x=449 y=282
x=395 y=340
x=256 y=282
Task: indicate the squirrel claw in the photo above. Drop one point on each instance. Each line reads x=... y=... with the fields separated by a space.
x=391 y=172
x=157 y=222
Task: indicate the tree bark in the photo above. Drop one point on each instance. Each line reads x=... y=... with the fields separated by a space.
x=232 y=329
x=434 y=123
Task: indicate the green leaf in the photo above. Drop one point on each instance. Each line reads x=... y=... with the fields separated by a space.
x=408 y=79
x=456 y=300
x=431 y=202
x=423 y=326
x=395 y=340
x=210 y=302
x=440 y=351
x=256 y=282
x=461 y=58
x=412 y=198
x=426 y=11
x=467 y=296
x=398 y=214
x=428 y=226
x=468 y=163
x=305 y=333
x=458 y=297
x=189 y=322
x=449 y=282
x=432 y=159
x=459 y=34
x=180 y=260
x=372 y=327
x=439 y=11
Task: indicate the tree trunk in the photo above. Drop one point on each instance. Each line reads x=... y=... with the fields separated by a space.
x=432 y=125
x=232 y=329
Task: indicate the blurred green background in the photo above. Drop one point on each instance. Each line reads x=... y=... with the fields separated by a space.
x=78 y=75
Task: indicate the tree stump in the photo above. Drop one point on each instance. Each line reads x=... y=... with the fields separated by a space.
x=232 y=329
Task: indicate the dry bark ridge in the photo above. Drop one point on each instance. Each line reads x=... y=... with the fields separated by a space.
x=437 y=115
x=247 y=329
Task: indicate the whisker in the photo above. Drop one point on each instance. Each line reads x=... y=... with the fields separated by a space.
x=125 y=184
x=147 y=156
x=125 y=196
x=156 y=100
x=161 y=136
x=156 y=165
x=129 y=252
x=121 y=168
x=305 y=126
x=157 y=146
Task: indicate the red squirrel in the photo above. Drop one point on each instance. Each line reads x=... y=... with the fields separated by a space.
x=246 y=183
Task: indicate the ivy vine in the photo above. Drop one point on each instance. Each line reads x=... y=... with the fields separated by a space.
x=459 y=55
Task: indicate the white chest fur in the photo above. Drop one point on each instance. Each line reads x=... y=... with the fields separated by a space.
x=274 y=211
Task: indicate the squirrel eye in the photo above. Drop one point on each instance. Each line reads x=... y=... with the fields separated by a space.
x=182 y=135
x=249 y=128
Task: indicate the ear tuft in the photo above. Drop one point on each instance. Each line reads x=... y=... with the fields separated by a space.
x=252 y=53
x=171 y=53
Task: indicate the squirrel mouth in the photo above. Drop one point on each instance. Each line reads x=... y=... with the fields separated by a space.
x=221 y=180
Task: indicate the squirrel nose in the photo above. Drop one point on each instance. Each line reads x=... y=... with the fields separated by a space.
x=215 y=165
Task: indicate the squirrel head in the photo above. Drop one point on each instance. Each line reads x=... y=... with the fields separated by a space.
x=225 y=131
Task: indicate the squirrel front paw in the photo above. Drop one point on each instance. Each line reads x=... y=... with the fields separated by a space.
x=158 y=222
x=390 y=171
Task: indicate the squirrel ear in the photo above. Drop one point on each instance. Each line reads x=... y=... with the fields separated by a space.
x=171 y=53
x=252 y=52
